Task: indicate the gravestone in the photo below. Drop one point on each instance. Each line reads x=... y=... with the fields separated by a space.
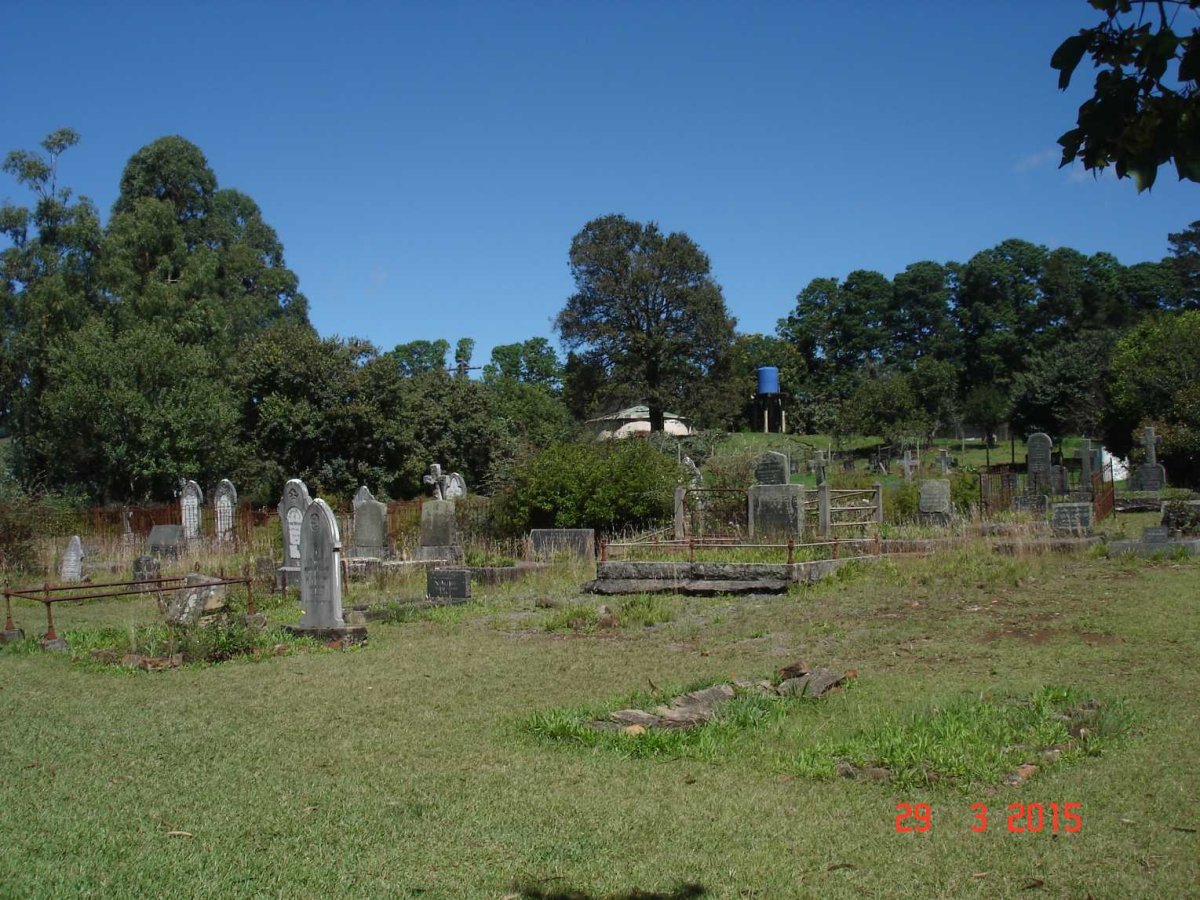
x=1036 y=504
x=1150 y=475
x=933 y=503
x=147 y=568
x=776 y=510
x=1156 y=534
x=437 y=523
x=1071 y=518
x=321 y=578
x=818 y=467
x=448 y=584
x=908 y=465
x=578 y=542
x=1059 y=482
x=444 y=487
x=200 y=597
x=191 y=498
x=291 y=517
x=1037 y=461
x=166 y=540
x=127 y=535
x=1085 y=466
x=370 y=525
x=71 y=568
x=224 y=504
x=771 y=468
x=944 y=461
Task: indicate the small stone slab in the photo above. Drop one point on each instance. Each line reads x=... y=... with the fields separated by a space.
x=1071 y=518
x=147 y=568
x=199 y=597
x=690 y=587
x=347 y=634
x=792 y=687
x=634 y=717
x=166 y=540
x=821 y=681
x=1156 y=534
x=451 y=584
x=935 y=497
x=72 y=560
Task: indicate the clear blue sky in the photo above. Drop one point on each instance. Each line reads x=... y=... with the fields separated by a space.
x=427 y=165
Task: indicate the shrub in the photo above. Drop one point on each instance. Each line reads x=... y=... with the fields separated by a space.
x=607 y=485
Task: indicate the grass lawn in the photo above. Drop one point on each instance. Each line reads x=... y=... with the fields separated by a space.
x=409 y=768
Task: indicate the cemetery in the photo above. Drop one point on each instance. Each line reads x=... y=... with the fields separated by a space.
x=630 y=481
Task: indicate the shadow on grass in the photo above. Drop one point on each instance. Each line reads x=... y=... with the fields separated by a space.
x=538 y=892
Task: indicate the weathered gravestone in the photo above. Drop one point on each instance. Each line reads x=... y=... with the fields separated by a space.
x=224 y=504
x=439 y=534
x=71 y=568
x=127 y=535
x=166 y=540
x=577 y=542
x=933 y=503
x=1060 y=483
x=776 y=510
x=448 y=584
x=771 y=468
x=291 y=517
x=818 y=467
x=321 y=577
x=1037 y=461
x=444 y=487
x=1150 y=475
x=1071 y=518
x=191 y=498
x=200 y=597
x=147 y=568
x=1036 y=504
x=944 y=461
x=1156 y=534
x=908 y=465
x=370 y=525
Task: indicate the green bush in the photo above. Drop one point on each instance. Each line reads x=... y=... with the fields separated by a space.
x=609 y=485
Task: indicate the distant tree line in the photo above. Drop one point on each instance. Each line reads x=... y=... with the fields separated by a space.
x=173 y=341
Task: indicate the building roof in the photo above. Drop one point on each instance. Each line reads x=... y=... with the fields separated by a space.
x=635 y=413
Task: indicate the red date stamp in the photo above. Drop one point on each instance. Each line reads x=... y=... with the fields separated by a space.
x=1021 y=818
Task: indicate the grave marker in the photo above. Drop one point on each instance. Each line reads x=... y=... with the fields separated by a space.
x=448 y=584
x=320 y=569
x=166 y=540
x=291 y=517
x=1071 y=518
x=771 y=468
x=370 y=525
x=1156 y=534
x=72 y=561
x=191 y=498
x=224 y=504
x=578 y=542
x=776 y=510
x=1038 y=447
x=934 y=498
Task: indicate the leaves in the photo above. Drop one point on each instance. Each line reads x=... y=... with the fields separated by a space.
x=1066 y=58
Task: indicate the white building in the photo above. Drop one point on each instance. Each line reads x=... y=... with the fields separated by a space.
x=635 y=420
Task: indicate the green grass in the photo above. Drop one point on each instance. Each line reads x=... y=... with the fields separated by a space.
x=408 y=769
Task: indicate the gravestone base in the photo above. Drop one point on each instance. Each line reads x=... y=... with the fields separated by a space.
x=11 y=635
x=347 y=634
x=58 y=643
x=446 y=553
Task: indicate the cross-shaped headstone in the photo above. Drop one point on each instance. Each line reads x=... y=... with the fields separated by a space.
x=819 y=466
x=944 y=460
x=908 y=464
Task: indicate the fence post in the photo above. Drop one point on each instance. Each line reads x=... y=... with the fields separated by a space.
x=835 y=548
x=603 y=549
x=680 y=512
x=877 y=502
x=791 y=551
x=824 y=514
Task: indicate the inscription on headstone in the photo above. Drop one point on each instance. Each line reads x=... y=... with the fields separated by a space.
x=72 y=561
x=1074 y=518
x=1156 y=534
x=771 y=468
x=934 y=497
x=291 y=517
x=224 y=504
x=1037 y=461
x=191 y=498
x=448 y=584
x=320 y=569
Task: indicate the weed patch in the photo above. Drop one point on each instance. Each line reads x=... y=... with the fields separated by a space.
x=972 y=741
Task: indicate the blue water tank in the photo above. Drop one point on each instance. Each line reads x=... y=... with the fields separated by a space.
x=768 y=380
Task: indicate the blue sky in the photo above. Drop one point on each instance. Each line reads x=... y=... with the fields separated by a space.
x=427 y=165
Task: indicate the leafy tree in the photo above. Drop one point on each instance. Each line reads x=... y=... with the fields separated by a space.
x=646 y=312
x=1061 y=392
x=885 y=405
x=463 y=351
x=988 y=406
x=918 y=321
x=532 y=362
x=1153 y=382
x=420 y=357
x=1185 y=257
x=1145 y=109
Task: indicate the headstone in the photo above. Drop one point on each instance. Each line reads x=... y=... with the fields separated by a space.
x=1059 y=483
x=200 y=596
x=72 y=560
x=1156 y=534
x=818 y=466
x=1071 y=518
x=578 y=542
x=127 y=535
x=444 y=487
x=908 y=465
x=191 y=498
x=147 y=568
x=934 y=497
x=370 y=525
x=455 y=487
x=320 y=568
x=771 y=468
x=695 y=479
x=224 y=504
x=448 y=584
x=1150 y=475
x=1037 y=461
x=437 y=524
x=291 y=517
x=166 y=540
x=776 y=510
x=944 y=461
x=1036 y=504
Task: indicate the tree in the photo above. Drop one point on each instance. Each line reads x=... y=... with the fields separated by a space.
x=1145 y=109
x=1185 y=257
x=987 y=406
x=419 y=357
x=530 y=362
x=1153 y=382
x=646 y=312
x=1061 y=392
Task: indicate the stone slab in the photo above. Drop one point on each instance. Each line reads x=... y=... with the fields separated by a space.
x=1075 y=518
x=772 y=467
x=349 y=634
x=578 y=542
x=934 y=498
x=454 y=584
x=776 y=510
x=166 y=540
x=437 y=524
